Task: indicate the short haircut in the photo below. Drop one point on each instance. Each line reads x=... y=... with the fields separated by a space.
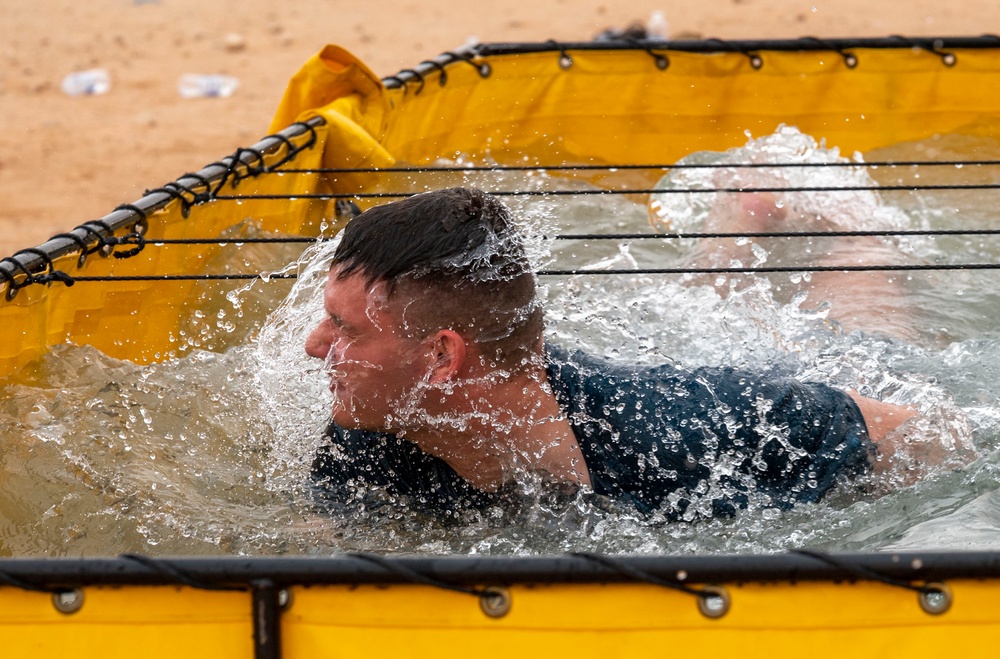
x=455 y=260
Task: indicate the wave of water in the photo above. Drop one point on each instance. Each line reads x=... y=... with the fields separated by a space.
x=209 y=452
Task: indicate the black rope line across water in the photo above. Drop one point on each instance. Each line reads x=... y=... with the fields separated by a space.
x=619 y=236
x=69 y=280
x=623 y=191
x=627 y=167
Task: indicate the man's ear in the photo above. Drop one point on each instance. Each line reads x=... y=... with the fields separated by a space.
x=447 y=355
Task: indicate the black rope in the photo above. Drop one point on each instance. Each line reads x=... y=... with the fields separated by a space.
x=414 y=74
x=863 y=572
x=51 y=274
x=934 y=46
x=756 y=62
x=615 y=236
x=173 y=190
x=136 y=239
x=29 y=276
x=443 y=79
x=641 y=575
x=85 y=249
x=168 y=569
x=483 y=68
x=625 y=167
x=102 y=244
x=411 y=575
x=290 y=152
x=779 y=234
x=850 y=59
x=565 y=60
x=550 y=273
x=140 y=225
x=625 y=191
x=253 y=168
x=774 y=269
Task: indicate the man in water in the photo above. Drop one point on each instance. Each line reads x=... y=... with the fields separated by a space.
x=445 y=392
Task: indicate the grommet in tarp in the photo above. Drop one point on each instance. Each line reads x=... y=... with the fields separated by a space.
x=714 y=602
x=947 y=58
x=565 y=61
x=495 y=601
x=935 y=598
x=68 y=601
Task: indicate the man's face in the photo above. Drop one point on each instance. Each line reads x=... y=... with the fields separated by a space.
x=374 y=367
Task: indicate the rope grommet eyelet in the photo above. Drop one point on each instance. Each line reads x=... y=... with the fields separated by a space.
x=495 y=601
x=935 y=598
x=68 y=601
x=714 y=602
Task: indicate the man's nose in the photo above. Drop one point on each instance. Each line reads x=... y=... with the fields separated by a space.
x=317 y=343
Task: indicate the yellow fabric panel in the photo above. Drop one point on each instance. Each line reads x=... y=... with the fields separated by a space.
x=128 y=622
x=617 y=107
x=812 y=619
x=603 y=621
x=337 y=86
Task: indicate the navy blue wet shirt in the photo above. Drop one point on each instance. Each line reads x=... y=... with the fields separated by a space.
x=684 y=443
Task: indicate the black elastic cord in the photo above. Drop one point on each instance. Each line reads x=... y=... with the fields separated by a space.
x=80 y=242
x=640 y=575
x=482 y=68
x=443 y=78
x=136 y=239
x=850 y=59
x=565 y=60
x=416 y=74
x=413 y=576
x=166 y=568
x=864 y=572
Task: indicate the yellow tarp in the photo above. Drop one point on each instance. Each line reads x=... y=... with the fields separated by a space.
x=585 y=620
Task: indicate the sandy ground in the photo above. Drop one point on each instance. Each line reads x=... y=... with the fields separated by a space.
x=65 y=160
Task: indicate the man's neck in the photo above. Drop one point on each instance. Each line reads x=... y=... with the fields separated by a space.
x=507 y=427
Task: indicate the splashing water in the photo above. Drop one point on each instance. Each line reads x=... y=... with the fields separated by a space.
x=210 y=452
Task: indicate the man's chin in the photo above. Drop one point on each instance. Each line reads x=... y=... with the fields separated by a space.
x=348 y=418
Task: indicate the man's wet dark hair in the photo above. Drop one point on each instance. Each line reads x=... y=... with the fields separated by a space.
x=456 y=260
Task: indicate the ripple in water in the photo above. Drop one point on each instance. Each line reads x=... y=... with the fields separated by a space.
x=209 y=452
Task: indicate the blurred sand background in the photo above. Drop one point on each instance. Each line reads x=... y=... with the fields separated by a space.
x=65 y=160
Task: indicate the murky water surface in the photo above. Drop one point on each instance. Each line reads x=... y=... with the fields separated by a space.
x=209 y=453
